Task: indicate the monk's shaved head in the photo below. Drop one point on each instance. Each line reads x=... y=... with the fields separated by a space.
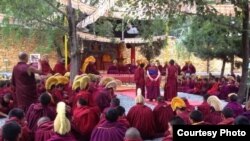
x=42 y=120
x=132 y=134
x=23 y=56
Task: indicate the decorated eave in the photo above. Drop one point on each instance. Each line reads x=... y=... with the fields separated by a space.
x=136 y=40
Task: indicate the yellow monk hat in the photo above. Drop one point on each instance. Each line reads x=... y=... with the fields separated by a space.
x=177 y=102
x=84 y=81
x=112 y=84
x=90 y=59
x=93 y=77
x=76 y=84
x=139 y=99
x=50 y=82
x=61 y=123
x=67 y=74
x=62 y=80
x=231 y=94
x=215 y=102
x=105 y=80
x=57 y=74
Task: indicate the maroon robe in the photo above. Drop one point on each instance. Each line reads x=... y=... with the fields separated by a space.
x=227 y=121
x=37 y=111
x=103 y=100
x=109 y=131
x=84 y=120
x=214 y=90
x=91 y=68
x=113 y=69
x=44 y=131
x=153 y=87
x=185 y=116
x=204 y=108
x=6 y=107
x=246 y=114
x=168 y=138
x=213 y=118
x=171 y=85
x=139 y=78
x=67 y=137
x=46 y=69
x=162 y=115
x=236 y=107
x=60 y=68
x=141 y=117
x=25 y=86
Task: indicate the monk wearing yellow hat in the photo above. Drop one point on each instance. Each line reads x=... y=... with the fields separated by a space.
x=89 y=66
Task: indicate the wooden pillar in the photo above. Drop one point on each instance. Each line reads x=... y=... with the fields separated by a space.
x=132 y=55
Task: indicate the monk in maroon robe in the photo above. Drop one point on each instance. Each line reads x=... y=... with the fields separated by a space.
x=214 y=117
x=174 y=121
x=189 y=107
x=171 y=85
x=44 y=129
x=196 y=118
x=6 y=104
x=141 y=117
x=153 y=82
x=139 y=78
x=188 y=69
x=91 y=68
x=204 y=107
x=132 y=134
x=46 y=69
x=103 y=99
x=227 y=116
x=38 y=110
x=110 y=130
x=234 y=105
x=162 y=115
x=84 y=119
x=60 y=67
x=214 y=90
x=17 y=115
x=10 y=132
x=23 y=80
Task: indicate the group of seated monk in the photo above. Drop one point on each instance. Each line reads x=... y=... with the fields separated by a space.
x=121 y=69
x=220 y=87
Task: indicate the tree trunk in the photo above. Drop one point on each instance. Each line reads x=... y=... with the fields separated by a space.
x=208 y=66
x=74 y=65
x=223 y=67
x=245 y=48
x=232 y=65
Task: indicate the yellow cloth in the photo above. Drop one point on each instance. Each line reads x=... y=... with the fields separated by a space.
x=62 y=80
x=61 y=123
x=86 y=63
x=177 y=102
x=215 y=102
x=84 y=81
x=50 y=82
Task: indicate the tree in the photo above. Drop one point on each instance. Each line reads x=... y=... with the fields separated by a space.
x=152 y=50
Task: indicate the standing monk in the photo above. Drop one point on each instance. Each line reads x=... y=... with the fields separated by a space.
x=24 y=82
x=153 y=82
x=171 y=85
x=140 y=79
x=46 y=69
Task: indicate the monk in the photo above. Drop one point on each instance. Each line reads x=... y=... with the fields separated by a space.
x=164 y=68
x=189 y=107
x=241 y=120
x=6 y=104
x=234 y=105
x=89 y=66
x=11 y=132
x=204 y=107
x=38 y=110
x=84 y=119
x=44 y=129
x=179 y=107
x=214 y=117
x=171 y=84
x=103 y=100
x=158 y=64
x=17 y=115
x=227 y=116
x=188 y=69
x=122 y=117
x=23 y=80
x=162 y=114
x=205 y=86
x=174 y=121
x=153 y=82
x=139 y=77
x=141 y=117
x=46 y=69
x=60 y=67
x=110 y=130
x=115 y=102
x=62 y=125
x=132 y=134
x=196 y=118
x=214 y=90
x=113 y=69
x=247 y=112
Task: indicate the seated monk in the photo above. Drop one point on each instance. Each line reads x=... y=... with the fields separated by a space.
x=214 y=90
x=50 y=86
x=115 y=102
x=6 y=104
x=188 y=85
x=38 y=110
x=11 y=132
x=60 y=67
x=174 y=121
x=60 y=94
x=141 y=117
x=89 y=66
x=162 y=114
x=113 y=69
x=44 y=129
x=205 y=86
x=214 y=117
x=247 y=112
x=84 y=119
x=196 y=118
x=110 y=130
x=241 y=120
x=204 y=107
x=227 y=116
x=122 y=117
x=17 y=115
x=132 y=134
x=197 y=87
x=179 y=107
x=46 y=69
x=234 y=105
x=62 y=125
x=189 y=107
